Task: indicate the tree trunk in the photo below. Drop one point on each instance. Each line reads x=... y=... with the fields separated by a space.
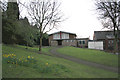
x=41 y=35
x=27 y=46
x=40 y=46
x=116 y=38
x=115 y=44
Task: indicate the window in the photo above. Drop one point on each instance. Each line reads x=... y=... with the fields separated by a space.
x=110 y=42
x=72 y=40
x=65 y=36
x=79 y=42
x=66 y=40
x=56 y=36
x=83 y=42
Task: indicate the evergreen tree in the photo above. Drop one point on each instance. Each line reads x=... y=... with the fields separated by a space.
x=9 y=18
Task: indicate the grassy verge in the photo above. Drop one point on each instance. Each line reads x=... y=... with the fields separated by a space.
x=47 y=66
x=96 y=56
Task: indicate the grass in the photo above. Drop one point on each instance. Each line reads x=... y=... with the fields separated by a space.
x=36 y=48
x=96 y=56
x=48 y=66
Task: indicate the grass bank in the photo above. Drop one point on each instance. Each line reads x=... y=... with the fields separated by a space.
x=46 y=66
x=96 y=56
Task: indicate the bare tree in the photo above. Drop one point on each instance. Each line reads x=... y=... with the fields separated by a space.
x=45 y=14
x=110 y=15
x=3 y=5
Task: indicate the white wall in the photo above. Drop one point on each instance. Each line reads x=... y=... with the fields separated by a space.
x=95 y=45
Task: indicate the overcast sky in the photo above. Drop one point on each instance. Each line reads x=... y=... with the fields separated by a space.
x=82 y=18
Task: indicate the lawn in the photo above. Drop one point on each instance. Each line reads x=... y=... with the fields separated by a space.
x=96 y=56
x=36 y=48
x=45 y=66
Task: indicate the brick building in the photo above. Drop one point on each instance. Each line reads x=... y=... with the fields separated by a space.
x=67 y=39
x=82 y=42
x=62 y=38
x=108 y=39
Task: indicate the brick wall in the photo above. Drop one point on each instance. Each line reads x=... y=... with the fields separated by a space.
x=50 y=39
x=54 y=43
x=71 y=36
x=109 y=46
x=82 y=45
x=69 y=43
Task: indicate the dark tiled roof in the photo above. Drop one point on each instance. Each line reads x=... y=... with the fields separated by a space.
x=103 y=35
x=62 y=32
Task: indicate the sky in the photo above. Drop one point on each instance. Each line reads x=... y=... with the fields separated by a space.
x=82 y=18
